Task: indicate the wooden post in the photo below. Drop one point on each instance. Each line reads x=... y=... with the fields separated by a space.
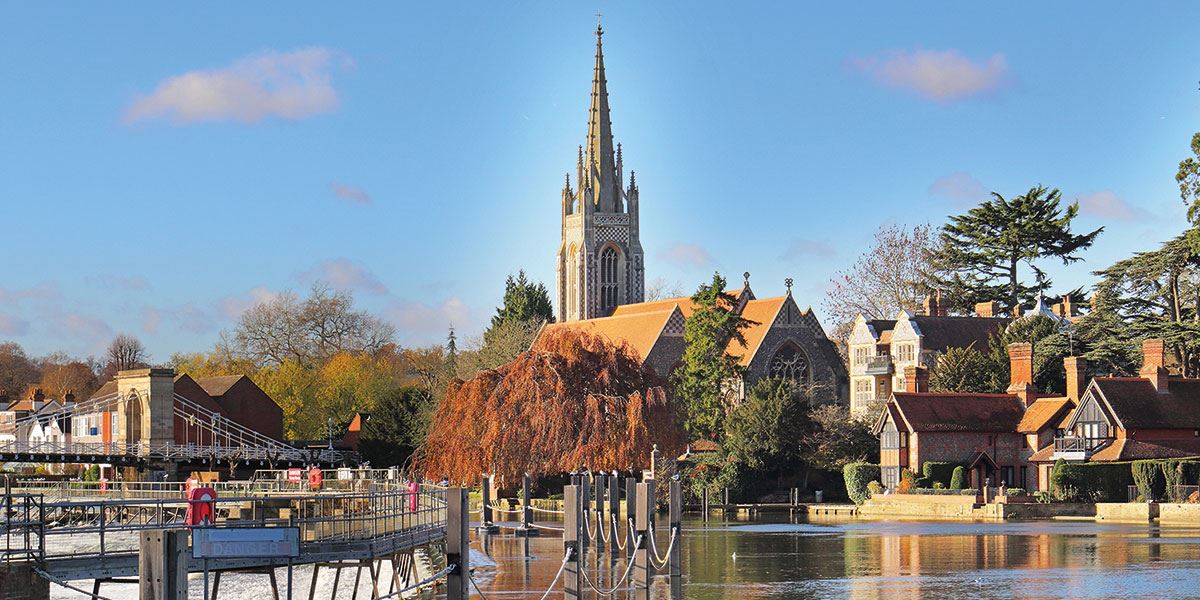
x=571 y=541
x=527 y=529
x=599 y=517
x=486 y=520
x=704 y=503
x=163 y=565
x=614 y=512
x=675 y=559
x=458 y=516
x=643 y=571
x=584 y=508
x=631 y=487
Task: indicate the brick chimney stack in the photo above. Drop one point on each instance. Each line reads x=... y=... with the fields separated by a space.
x=1076 y=367
x=916 y=379
x=987 y=310
x=933 y=304
x=1020 y=361
x=1154 y=357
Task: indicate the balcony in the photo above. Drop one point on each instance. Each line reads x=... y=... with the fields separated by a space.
x=1070 y=447
x=878 y=365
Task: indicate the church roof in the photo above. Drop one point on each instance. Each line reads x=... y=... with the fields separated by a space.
x=762 y=313
x=639 y=330
x=685 y=304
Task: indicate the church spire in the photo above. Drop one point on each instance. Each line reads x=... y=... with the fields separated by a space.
x=601 y=167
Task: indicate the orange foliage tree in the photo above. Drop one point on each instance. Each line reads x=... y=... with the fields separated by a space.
x=573 y=401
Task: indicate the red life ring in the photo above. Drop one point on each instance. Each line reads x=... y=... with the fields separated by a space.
x=201 y=504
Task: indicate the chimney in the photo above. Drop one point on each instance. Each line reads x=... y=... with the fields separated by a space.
x=933 y=304
x=1068 y=308
x=1020 y=360
x=987 y=310
x=68 y=398
x=916 y=379
x=1076 y=367
x=1154 y=353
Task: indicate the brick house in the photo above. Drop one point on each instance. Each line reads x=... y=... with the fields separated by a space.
x=1152 y=416
x=880 y=350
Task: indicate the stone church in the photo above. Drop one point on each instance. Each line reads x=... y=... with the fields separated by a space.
x=601 y=278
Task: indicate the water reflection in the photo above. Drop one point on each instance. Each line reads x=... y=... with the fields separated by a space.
x=782 y=558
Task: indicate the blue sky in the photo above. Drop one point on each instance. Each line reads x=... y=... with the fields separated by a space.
x=164 y=167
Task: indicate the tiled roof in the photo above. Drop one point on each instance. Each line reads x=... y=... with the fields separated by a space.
x=959 y=412
x=1045 y=412
x=940 y=333
x=685 y=304
x=640 y=330
x=885 y=337
x=219 y=385
x=1139 y=406
x=705 y=446
x=762 y=313
x=109 y=388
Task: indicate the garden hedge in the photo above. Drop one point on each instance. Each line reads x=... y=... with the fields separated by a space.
x=959 y=478
x=935 y=472
x=857 y=476
x=1091 y=482
x=1149 y=477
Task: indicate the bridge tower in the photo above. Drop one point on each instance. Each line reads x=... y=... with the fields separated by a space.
x=146 y=407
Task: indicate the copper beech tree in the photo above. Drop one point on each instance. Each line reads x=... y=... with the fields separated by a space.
x=573 y=401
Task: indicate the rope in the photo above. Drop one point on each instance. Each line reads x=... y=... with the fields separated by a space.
x=472 y=578
x=423 y=583
x=546 y=527
x=617 y=534
x=587 y=527
x=503 y=510
x=616 y=586
x=548 y=510
x=654 y=547
x=52 y=579
x=604 y=535
x=561 y=568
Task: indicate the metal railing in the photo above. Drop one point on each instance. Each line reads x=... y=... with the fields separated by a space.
x=1071 y=443
x=878 y=365
x=176 y=452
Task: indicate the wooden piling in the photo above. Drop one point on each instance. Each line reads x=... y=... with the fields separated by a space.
x=675 y=516
x=457 y=544
x=598 y=519
x=631 y=487
x=571 y=528
x=527 y=529
x=163 y=565
x=614 y=512
x=643 y=570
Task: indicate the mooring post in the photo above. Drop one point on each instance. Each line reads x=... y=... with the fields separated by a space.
x=163 y=565
x=458 y=517
x=601 y=485
x=614 y=511
x=704 y=502
x=571 y=541
x=643 y=571
x=631 y=487
x=485 y=494
x=675 y=515
x=527 y=529
x=584 y=506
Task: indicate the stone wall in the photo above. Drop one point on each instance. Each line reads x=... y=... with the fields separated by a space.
x=19 y=582
x=1179 y=514
x=1126 y=512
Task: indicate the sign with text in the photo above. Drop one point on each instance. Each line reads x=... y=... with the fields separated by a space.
x=245 y=542
x=295 y=475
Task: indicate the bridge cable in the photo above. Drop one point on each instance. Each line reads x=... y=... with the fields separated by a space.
x=613 y=590
x=53 y=579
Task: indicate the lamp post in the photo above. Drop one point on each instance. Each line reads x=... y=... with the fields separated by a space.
x=329 y=431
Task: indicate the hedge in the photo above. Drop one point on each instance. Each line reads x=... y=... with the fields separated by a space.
x=959 y=478
x=1091 y=482
x=938 y=472
x=857 y=476
x=1148 y=476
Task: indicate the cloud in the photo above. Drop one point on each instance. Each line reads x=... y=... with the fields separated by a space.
x=233 y=306
x=135 y=283
x=350 y=193
x=343 y=274
x=422 y=319
x=1107 y=205
x=151 y=319
x=945 y=76
x=800 y=248
x=959 y=186
x=686 y=255
x=285 y=85
x=82 y=330
x=13 y=326
x=44 y=292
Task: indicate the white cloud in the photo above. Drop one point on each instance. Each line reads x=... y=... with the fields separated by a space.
x=800 y=248
x=41 y=293
x=686 y=255
x=350 y=193
x=234 y=306
x=1107 y=205
x=945 y=76
x=959 y=186
x=286 y=85
x=343 y=274
x=151 y=319
x=13 y=326
x=419 y=320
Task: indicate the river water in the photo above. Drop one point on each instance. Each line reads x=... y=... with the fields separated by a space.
x=776 y=557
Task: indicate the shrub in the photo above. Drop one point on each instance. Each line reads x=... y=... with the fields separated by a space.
x=857 y=475
x=1149 y=478
x=1090 y=482
x=969 y=492
x=1016 y=492
x=874 y=488
x=937 y=485
x=908 y=481
x=959 y=478
x=1042 y=497
x=937 y=472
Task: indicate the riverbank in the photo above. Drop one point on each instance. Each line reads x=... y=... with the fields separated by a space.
x=967 y=508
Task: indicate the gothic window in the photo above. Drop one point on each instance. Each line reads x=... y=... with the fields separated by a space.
x=608 y=280
x=789 y=362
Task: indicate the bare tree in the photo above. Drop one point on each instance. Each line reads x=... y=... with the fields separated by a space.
x=894 y=273
x=125 y=352
x=17 y=372
x=307 y=331
x=661 y=289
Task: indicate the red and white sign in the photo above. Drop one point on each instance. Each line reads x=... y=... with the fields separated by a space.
x=295 y=475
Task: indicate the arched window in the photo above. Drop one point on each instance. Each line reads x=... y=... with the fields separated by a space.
x=608 y=280
x=790 y=362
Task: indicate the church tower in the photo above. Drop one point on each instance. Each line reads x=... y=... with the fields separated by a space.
x=600 y=259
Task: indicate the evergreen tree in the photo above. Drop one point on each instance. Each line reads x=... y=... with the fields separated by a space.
x=982 y=249
x=701 y=380
x=398 y=423
x=1188 y=178
x=451 y=363
x=524 y=300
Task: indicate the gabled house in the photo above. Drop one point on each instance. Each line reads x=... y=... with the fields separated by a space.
x=1151 y=416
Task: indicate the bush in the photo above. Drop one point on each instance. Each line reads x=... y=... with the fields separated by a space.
x=937 y=485
x=874 y=488
x=1043 y=497
x=959 y=478
x=908 y=481
x=1016 y=492
x=1149 y=478
x=857 y=475
x=938 y=472
x=969 y=492
x=1091 y=482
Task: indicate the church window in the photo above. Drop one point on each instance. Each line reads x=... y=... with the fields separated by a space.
x=789 y=362
x=608 y=280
